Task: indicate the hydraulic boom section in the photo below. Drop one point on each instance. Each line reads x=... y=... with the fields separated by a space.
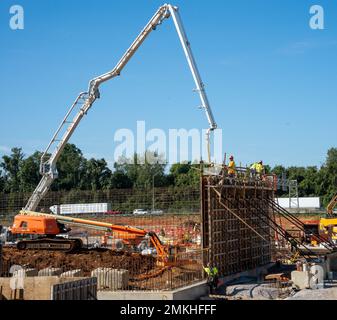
x=85 y=100
x=332 y=204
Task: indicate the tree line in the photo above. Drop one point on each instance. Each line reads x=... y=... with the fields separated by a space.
x=19 y=173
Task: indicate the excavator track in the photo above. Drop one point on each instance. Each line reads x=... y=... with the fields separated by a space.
x=66 y=245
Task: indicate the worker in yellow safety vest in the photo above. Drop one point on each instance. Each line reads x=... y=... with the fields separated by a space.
x=231 y=167
x=212 y=277
x=257 y=169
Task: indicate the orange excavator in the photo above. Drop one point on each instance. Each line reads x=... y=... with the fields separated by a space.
x=49 y=232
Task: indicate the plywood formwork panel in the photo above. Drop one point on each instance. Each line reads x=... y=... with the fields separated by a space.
x=236 y=232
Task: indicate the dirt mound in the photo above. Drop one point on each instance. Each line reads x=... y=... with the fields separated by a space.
x=87 y=260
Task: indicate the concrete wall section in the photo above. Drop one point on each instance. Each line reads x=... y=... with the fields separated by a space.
x=192 y=292
x=35 y=288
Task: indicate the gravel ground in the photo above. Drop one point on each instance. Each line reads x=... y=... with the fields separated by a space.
x=329 y=293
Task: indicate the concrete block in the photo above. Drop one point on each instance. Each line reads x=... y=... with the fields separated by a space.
x=30 y=272
x=72 y=273
x=50 y=272
x=300 y=279
x=111 y=279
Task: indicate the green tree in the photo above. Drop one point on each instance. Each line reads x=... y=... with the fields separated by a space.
x=143 y=170
x=185 y=174
x=11 y=165
x=71 y=168
x=308 y=186
x=327 y=180
x=120 y=180
x=29 y=175
x=279 y=170
x=96 y=175
x=2 y=181
x=296 y=173
x=180 y=168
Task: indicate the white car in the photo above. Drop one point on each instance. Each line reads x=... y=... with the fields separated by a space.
x=140 y=211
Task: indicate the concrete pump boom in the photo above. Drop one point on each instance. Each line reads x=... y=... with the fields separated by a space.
x=85 y=100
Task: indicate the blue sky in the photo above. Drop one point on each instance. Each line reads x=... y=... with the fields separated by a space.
x=270 y=78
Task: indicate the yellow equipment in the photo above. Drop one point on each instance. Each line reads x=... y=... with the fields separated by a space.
x=328 y=225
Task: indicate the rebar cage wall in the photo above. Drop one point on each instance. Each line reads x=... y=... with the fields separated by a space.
x=233 y=245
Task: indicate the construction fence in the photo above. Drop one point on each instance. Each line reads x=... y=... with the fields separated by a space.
x=169 y=200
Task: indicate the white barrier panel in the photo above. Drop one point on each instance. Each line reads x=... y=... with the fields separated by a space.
x=303 y=202
x=81 y=208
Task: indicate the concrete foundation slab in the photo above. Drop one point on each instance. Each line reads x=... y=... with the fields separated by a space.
x=191 y=292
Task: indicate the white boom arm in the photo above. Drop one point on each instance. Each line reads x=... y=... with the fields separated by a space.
x=85 y=100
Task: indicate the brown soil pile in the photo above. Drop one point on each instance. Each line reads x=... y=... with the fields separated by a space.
x=87 y=260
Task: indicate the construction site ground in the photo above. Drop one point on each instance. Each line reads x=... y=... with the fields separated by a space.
x=86 y=260
x=145 y=273
x=329 y=292
x=252 y=290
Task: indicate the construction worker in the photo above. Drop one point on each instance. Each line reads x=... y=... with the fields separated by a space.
x=292 y=241
x=212 y=277
x=257 y=169
x=104 y=240
x=231 y=167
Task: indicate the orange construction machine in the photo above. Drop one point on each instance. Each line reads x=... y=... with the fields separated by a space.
x=48 y=231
